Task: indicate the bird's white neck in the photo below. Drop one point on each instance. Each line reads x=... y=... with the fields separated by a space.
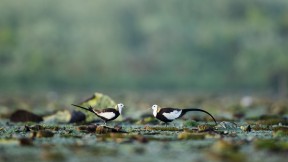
x=120 y=110
x=154 y=112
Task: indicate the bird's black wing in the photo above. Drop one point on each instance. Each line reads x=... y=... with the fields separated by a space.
x=168 y=110
x=163 y=118
x=107 y=110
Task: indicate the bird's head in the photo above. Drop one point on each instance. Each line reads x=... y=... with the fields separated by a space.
x=119 y=107
x=154 y=107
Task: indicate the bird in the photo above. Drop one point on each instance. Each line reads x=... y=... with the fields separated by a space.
x=167 y=115
x=107 y=114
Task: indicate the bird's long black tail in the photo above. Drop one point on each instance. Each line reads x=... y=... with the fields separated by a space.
x=196 y=109
x=88 y=109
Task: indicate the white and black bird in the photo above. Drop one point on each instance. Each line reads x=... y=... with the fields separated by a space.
x=169 y=114
x=107 y=114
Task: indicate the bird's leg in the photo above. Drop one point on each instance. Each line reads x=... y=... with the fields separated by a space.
x=166 y=124
x=105 y=122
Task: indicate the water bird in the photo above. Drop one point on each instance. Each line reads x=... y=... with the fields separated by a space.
x=107 y=114
x=169 y=114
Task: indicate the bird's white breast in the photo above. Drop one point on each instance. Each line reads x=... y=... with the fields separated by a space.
x=107 y=115
x=172 y=115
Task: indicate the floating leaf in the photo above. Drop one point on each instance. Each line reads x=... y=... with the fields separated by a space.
x=98 y=100
x=65 y=116
x=25 y=116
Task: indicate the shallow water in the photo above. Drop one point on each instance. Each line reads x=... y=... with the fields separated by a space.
x=143 y=139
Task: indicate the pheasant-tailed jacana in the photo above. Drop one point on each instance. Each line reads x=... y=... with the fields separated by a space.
x=107 y=114
x=169 y=114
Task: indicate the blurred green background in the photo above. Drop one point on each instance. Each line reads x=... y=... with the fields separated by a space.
x=203 y=45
